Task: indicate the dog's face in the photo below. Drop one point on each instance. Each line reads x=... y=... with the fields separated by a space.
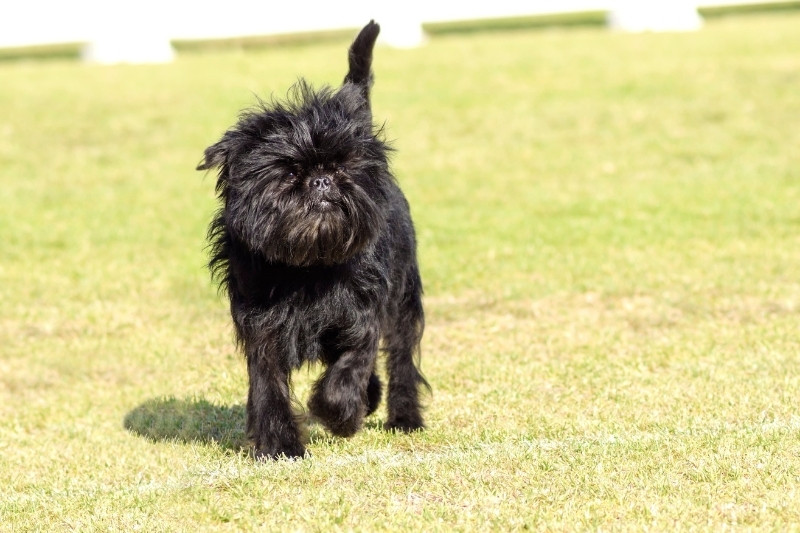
x=304 y=182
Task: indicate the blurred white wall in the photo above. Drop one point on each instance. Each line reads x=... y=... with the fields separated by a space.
x=30 y=22
x=35 y=22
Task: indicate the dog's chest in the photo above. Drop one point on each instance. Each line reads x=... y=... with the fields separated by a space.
x=319 y=318
x=314 y=326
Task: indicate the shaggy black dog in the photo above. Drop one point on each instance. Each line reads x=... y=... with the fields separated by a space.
x=314 y=245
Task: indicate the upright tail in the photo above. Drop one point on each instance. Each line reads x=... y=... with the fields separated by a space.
x=360 y=58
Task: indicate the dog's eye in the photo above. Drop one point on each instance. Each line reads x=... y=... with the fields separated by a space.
x=340 y=169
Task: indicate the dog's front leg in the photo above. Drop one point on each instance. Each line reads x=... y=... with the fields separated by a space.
x=270 y=422
x=340 y=398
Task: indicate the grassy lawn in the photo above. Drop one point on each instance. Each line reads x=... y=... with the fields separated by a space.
x=609 y=232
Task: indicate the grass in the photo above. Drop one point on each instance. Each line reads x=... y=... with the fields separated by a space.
x=609 y=236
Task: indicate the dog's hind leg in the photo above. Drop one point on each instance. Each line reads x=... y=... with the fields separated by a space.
x=374 y=391
x=402 y=340
x=348 y=389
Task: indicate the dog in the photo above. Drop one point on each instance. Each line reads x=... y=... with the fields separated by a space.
x=315 y=247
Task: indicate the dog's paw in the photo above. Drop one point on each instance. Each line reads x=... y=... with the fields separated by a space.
x=293 y=452
x=405 y=423
x=342 y=415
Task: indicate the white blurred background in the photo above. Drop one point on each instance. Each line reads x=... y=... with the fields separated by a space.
x=132 y=30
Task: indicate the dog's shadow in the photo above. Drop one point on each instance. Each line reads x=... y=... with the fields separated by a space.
x=200 y=421
x=189 y=421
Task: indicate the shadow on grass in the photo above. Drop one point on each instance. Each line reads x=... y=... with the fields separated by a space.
x=193 y=420
x=200 y=421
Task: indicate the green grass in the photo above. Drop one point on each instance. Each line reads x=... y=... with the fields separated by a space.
x=609 y=236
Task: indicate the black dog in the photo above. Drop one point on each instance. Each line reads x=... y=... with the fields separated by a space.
x=315 y=247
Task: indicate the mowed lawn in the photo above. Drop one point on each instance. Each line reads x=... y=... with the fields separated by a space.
x=609 y=233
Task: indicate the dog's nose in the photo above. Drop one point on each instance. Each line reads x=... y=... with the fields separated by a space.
x=322 y=183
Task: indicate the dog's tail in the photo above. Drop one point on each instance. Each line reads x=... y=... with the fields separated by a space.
x=360 y=58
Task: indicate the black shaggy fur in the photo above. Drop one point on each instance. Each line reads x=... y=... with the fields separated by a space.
x=314 y=245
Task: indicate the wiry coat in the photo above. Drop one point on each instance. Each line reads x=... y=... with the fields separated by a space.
x=315 y=247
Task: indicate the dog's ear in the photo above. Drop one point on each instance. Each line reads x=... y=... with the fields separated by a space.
x=216 y=155
x=360 y=59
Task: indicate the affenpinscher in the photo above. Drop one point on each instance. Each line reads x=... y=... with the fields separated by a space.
x=315 y=247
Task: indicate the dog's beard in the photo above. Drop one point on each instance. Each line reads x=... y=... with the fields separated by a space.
x=299 y=228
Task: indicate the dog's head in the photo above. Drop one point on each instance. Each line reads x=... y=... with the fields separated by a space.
x=306 y=181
